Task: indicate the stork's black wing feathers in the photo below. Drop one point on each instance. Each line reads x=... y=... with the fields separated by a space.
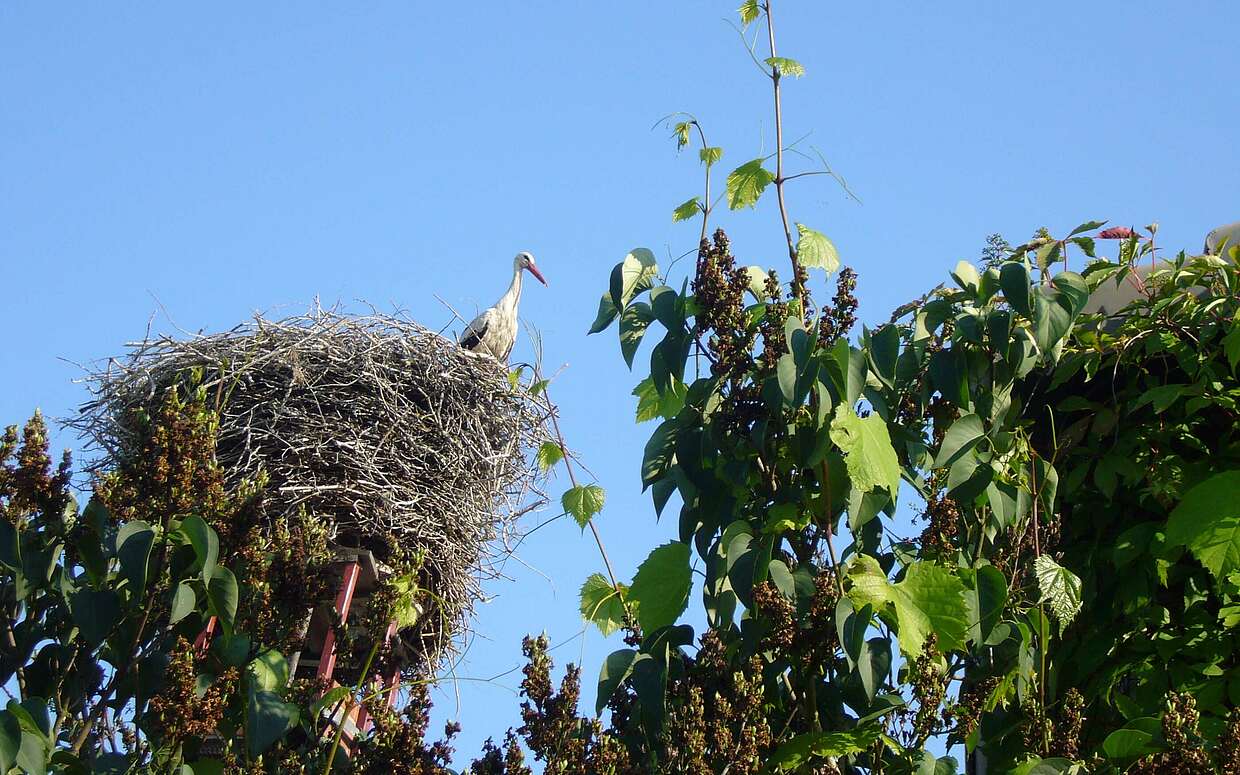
x=473 y=335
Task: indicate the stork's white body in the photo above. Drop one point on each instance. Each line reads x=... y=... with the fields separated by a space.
x=494 y=331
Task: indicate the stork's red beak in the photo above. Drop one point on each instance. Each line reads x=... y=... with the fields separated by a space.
x=534 y=271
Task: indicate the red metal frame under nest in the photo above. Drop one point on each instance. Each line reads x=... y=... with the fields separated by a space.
x=351 y=572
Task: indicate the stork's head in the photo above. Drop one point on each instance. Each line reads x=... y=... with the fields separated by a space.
x=525 y=260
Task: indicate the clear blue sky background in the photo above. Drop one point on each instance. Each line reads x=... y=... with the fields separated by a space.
x=237 y=157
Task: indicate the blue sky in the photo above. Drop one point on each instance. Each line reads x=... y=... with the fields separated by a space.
x=201 y=164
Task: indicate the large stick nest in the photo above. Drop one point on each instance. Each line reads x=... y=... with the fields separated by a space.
x=379 y=427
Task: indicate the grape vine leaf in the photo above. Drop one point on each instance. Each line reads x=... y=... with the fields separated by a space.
x=810 y=746
x=816 y=251
x=749 y=11
x=686 y=210
x=870 y=458
x=786 y=66
x=660 y=590
x=549 y=454
x=601 y=604
x=1207 y=521
x=1060 y=589
x=929 y=599
x=746 y=183
x=652 y=404
x=583 y=502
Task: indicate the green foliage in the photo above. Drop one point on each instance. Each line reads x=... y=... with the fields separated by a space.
x=602 y=604
x=660 y=590
x=972 y=396
x=815 y=251
x=549 y=453
x=101 y=606
x=583 y=502
x=749 y=11
x=866 y=445
x=1207 y=521
x=1059 y=588
x=785 y=66
x=687 y=210
x=746 y=184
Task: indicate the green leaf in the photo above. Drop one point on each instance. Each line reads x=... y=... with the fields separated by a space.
x=601 y=604
x=874 y=665
x=786 y=66
x=636 y=273
x=539 y=387
x=1087 y=226
x=961 y=436
x=549 y=453
x=746 y=183
x=986 y=595
x=10 y=740
x=205 y=542
x=1207 y=521
x=133 y=547
x=1086 y=244
x=966 y=276
x=681 y=133
x=652 y=404
x=660 y=591
x=633 y=324
x=1048 y=254
x=884 y=351
x=1125 y=744
x=1231 y=345
x=649 y=680
x=815 y=251
x=781 y=577
x=1014 y=280
x=32 y=757
x=10 y=547
x=1054 y=766
x=1060 y=590
x=330 y=699
x=583 y=502
x=95 y=613
x=687 y=210
x=35 y=747
x=183 y=602
x=1051 y=321
x=786 y=375
x=930 y=599
x=749 y=12
x=267 y=719
x=269 y=671
x=222 y=597
x=606 y=313
x=215 y=766
x=617 y=667
x=660 y=449
x=810 y=746
x=871 y=460
x=869 y=583
x=710 y=154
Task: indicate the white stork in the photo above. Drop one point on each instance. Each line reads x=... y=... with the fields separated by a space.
x=495 y=330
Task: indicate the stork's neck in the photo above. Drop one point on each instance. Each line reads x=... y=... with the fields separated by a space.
x=513 y=294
